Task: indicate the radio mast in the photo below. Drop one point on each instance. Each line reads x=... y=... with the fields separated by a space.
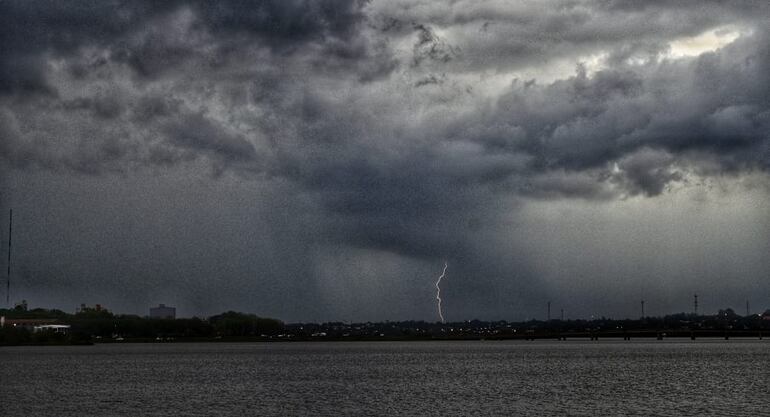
x=8 y=278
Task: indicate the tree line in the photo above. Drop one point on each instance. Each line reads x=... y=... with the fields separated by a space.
x=103 y=326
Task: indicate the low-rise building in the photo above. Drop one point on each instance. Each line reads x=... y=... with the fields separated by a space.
x=56 y=328
x=30 y=324
x=162 y=311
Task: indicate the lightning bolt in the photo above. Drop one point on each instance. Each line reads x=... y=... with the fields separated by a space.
x=438 y=292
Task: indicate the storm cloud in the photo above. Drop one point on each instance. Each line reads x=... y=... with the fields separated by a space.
x=321 y=159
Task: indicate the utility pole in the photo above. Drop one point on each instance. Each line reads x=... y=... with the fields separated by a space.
x=642 y=308
x=549 y=311
x=562 y=314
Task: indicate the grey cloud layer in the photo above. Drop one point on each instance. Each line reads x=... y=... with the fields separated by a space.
x=406 y=125
x=254 y=84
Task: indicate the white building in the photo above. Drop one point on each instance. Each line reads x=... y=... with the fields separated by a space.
x=56 y=328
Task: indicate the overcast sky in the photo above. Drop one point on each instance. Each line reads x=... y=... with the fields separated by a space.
x=321 y=160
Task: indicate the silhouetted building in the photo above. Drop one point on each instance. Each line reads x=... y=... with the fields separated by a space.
x=98 y=308
x=162 y=311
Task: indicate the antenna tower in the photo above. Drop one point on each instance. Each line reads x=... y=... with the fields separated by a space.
x=8 y=277
x=695 y=304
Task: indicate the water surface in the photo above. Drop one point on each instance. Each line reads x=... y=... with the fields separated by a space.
x=389 y=378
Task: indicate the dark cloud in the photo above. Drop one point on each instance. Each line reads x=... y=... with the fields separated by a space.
x=648 y=172
x=155 y=37
x=352 y=129
x=289 y=21
x=431 y=79
x=430 y=47
x=198 y=134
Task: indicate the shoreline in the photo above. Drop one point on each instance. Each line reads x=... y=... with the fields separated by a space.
x=667 y=337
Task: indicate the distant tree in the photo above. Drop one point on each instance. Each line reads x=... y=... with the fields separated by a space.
x=236 y=324
x=10 y=336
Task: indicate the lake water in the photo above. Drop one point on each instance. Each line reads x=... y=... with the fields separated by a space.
x=389 y=378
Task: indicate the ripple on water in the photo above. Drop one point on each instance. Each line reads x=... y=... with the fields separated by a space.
x=388 y=378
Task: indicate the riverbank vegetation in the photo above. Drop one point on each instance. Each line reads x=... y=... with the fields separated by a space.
x=102 y=326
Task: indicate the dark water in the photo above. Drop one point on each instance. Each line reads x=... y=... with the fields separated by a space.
x=383 y=378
